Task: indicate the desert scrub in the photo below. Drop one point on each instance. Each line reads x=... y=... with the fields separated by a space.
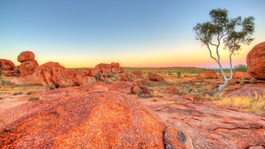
x=179 y=74
x=254 y=104
x=33 y=98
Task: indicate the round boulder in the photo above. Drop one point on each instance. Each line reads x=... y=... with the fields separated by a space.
x=256 y=61
x=26 y=56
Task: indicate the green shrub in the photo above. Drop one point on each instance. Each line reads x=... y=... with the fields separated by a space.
x=241 y=68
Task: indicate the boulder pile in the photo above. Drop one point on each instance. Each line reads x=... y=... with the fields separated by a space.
x=28 y=62
x=53 y=74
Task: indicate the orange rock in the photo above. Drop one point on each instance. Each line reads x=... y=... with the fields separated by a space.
x=171 y=90
x=26 y=56
x=256 y=61
x=80 y=118
x=124 y=87
x=53 y=73
x=27 y=67
x=241 y=75
x=155 y=77
x=209 y=74
x=6 y=64
x=137 y=73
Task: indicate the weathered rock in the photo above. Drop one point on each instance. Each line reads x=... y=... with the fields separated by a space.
x=124 y=87
x=137 y=73
x=26 y=56
x=171 y=90
x=27 y=67
x=6 y=64
x=209 y=74
x=82 y=117
x=53 y=74
x=206 y=126
x=247 y=90
x=155 y=77
x=241 y=75
x=256 y=61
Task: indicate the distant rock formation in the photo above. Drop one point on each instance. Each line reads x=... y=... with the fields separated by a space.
x=256 y=61
x=53 y=74
x=7 y=67
x=155 y=77
x=209 y=74
x=137 y=73
x=241 y=75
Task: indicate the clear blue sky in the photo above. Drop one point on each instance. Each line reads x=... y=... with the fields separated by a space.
x=82 y=33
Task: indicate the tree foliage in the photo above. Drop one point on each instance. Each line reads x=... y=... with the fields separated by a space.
x=231 y=32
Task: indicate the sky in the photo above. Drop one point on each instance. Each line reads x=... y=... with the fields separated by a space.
x=135 y=33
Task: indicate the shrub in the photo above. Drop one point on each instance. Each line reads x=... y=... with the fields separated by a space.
x=241 y=68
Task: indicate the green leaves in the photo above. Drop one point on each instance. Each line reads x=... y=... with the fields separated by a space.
x=232 y=32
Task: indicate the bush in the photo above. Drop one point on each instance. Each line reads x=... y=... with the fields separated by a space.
x=241 y=68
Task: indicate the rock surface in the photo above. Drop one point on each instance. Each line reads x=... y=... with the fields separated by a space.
x=102 y=117
x=26 y=56
x=256 y=61
x=205 y=126
x=209 y=74
x=82 y=117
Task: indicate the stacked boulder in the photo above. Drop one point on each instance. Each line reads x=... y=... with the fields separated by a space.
x=28 y=62
x=102 y=71
x=256 y=61
x=7 y=67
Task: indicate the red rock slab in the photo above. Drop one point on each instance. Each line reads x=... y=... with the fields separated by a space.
x=205 y=126
x=81 y=117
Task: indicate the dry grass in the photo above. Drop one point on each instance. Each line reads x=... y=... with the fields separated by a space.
x=254 y=104
x=6 y=87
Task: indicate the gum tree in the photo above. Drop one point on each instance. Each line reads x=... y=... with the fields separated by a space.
x=231 y=32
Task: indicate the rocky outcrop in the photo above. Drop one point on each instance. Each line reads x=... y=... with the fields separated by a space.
x=137 y=74
x=241 y=75
x=27 y=67
x=155 y=77
x=82 y=117
x=53 y=74
x=106 y=69
x=7 y=67
x=208 y=74
x=131 y=88
x=28 y=62
x=113 y=70
x=256 y=61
